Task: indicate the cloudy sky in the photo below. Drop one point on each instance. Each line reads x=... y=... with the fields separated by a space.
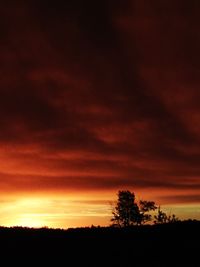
x=97 y=96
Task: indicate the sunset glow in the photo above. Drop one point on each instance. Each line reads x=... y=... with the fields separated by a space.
x=96 y=98
x=55 y=212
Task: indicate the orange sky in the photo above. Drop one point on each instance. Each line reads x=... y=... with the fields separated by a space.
x=94 y=98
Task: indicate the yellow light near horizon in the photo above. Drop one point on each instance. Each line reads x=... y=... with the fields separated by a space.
x=28 y=212
x=53 y=212
x=65 y=210
x=30 y=220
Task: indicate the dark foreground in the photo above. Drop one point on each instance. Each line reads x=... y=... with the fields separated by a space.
x=151 y=246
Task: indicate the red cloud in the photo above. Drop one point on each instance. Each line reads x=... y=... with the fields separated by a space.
x=99 y=96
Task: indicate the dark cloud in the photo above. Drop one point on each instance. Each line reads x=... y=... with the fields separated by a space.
x=115 y=81
x=189 y=198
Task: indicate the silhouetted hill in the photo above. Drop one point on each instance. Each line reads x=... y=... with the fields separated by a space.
x=153 y=246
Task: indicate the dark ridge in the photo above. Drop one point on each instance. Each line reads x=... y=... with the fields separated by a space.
x=175 y=244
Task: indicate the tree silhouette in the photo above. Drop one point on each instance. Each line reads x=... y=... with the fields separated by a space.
x=127 y=212
x=145 y=207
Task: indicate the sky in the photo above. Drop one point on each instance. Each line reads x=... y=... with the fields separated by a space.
x=96 y=97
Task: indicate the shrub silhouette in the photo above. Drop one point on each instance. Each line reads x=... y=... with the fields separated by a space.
x=162 y=217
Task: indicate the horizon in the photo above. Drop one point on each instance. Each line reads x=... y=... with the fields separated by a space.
x=42 y=212
x=97 y=97
x=181 y=222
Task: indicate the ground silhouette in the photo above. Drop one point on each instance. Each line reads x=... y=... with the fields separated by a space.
x=172 y=244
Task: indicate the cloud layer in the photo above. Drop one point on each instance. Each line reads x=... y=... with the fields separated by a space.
x=100 y=95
